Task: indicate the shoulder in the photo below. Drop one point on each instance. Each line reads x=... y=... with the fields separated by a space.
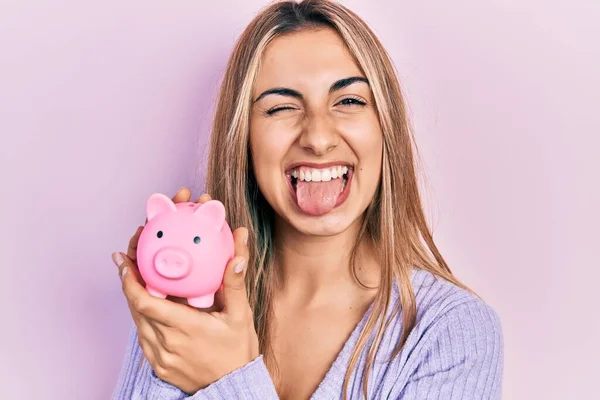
x=453 y=321
x=443 y=303
x=456 y=342
x=443 y=306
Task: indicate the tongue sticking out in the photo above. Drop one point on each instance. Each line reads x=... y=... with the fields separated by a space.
x=318 y=198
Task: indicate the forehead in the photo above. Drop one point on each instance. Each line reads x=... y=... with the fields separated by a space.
x=305 y=59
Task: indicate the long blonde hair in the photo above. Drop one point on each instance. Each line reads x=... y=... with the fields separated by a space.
x=394 y=220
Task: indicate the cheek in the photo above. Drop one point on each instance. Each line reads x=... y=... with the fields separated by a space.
x=270 y=140
x=269 y=144
x=365 y=138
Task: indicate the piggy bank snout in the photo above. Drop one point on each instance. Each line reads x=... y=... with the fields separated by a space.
x=172 y=263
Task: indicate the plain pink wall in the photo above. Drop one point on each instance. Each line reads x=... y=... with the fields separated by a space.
x=104 y=103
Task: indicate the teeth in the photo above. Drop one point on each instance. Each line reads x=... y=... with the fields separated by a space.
x=319 y=175
x=315 y=175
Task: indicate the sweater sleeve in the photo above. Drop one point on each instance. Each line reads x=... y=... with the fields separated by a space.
x=137 y=380
x=462 y=357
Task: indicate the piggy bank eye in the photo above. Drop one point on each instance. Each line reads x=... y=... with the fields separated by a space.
x=197 y=239
x=159 y=234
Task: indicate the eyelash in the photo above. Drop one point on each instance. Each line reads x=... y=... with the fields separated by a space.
x=355 y=102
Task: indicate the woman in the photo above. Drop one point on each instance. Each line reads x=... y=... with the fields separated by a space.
x=337 y=289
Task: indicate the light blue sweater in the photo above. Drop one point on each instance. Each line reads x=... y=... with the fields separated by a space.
x=454 y=352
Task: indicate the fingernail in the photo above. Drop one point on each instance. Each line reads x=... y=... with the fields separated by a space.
x=239 y=266
x=117 y=259
x=124 y=272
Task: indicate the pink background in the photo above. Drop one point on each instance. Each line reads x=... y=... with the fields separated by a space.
x=103 y=103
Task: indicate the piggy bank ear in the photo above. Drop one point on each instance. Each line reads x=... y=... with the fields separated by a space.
x=212 y=211
x=158 y=203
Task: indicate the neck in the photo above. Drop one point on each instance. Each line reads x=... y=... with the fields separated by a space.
x=309 y=268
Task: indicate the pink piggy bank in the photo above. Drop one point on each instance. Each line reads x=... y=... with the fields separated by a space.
x=184 y=248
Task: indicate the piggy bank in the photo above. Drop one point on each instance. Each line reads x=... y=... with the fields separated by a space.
x=184 y=248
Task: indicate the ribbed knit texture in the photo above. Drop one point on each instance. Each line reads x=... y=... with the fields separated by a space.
x=455 y=351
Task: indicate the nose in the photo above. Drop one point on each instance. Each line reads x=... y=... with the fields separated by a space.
x=319 y=135
x=172 y=263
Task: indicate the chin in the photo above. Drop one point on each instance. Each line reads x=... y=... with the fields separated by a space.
x=330 y=224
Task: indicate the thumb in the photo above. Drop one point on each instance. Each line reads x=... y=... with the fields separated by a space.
x=235 y=299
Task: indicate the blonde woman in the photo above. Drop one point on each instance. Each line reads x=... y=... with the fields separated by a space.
x=337 y=289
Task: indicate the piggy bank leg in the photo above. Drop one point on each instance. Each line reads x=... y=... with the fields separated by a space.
x=202 y=301
x=155 y=293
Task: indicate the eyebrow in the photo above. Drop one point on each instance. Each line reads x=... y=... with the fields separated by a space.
x=338 y=85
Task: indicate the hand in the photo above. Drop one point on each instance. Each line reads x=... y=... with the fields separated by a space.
x=187 y=347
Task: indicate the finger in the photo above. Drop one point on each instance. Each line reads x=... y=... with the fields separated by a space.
x=204 y=198
x=154 y=332
x=158 y=310
x=157 y=357
x=180 y=300
x=137 y=317
x=235 y=300
x=133 y=243
x=240 y=242
x=218 y=305
x=182 y=195
x=149 y=349
x=145 y=330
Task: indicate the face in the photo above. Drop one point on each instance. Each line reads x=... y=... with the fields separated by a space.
x=315 y=137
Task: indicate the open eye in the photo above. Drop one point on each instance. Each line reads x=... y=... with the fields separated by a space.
x=352 y=101
x=159 y=234
x=197 y=239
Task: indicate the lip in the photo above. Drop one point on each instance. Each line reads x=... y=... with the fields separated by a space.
x=289 y=168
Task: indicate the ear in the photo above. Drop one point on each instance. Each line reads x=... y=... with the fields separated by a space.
x=214 y=212
x=158 y=203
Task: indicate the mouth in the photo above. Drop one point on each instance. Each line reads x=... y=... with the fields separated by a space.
x=316 y=189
